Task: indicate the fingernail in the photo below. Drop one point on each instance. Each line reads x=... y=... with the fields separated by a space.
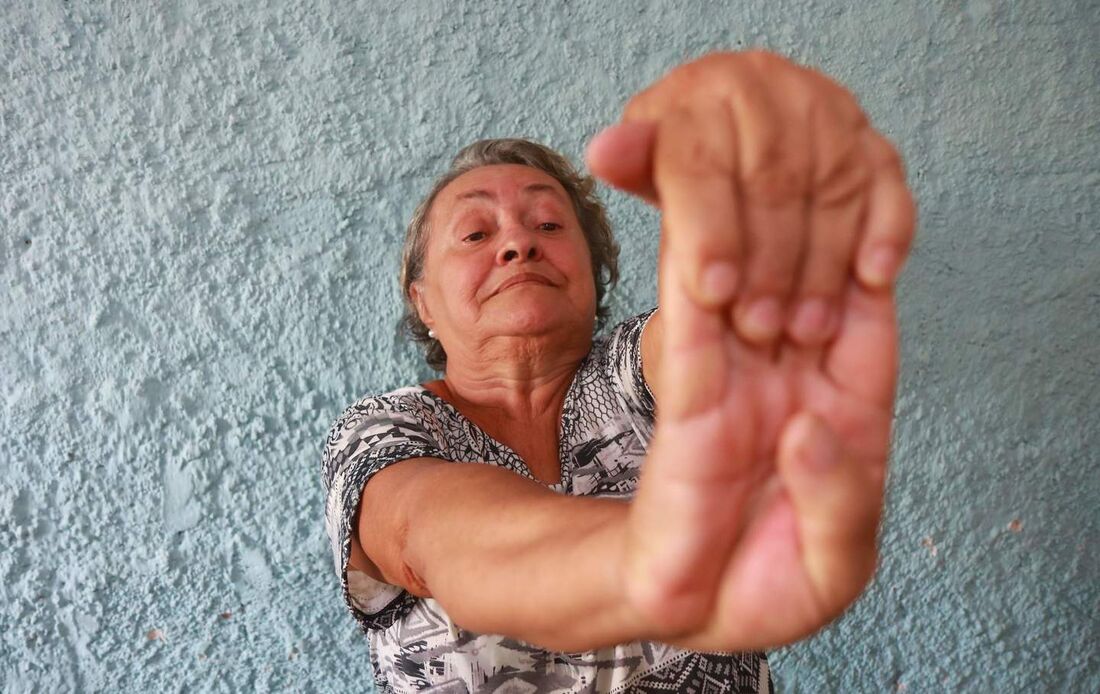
x=762 y=320
x=719 y=282
x=879 y=268
x=812 y=320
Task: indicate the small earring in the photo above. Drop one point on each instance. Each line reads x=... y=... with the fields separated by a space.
x=431 y=333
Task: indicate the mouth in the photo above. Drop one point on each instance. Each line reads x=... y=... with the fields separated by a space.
x=522 y=278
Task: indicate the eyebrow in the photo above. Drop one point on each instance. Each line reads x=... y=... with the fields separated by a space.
x=486 y=195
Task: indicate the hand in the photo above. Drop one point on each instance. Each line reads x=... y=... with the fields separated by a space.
x=756 y=518
x=776 y=180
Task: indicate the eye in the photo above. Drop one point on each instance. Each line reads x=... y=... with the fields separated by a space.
x=476 y=236
x=549 y=226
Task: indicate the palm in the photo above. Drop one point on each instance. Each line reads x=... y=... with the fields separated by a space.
x=729 y=405
x=849 y=386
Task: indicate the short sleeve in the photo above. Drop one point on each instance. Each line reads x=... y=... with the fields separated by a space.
x=369 y=436
x=624 y=371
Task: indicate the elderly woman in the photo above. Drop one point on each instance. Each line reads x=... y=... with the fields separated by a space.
x=653 y=508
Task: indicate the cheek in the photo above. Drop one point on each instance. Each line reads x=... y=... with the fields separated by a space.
x=466 y=280
x=583 y=259
x=576 y=262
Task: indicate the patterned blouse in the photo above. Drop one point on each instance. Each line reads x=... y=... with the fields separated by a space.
x=606 y=425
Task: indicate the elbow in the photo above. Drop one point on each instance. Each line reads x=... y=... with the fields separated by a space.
x=413 y=582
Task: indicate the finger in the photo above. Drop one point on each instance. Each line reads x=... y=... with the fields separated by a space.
x=838 y=503
x=891 y=216
x=695 y=169
x=836 y=209
x=694 y=174
x=773 y=178
x=775 y=239
x=862 y=360
x=841 y=99
x=852 y=388
x=694 y=361
x=622 y=156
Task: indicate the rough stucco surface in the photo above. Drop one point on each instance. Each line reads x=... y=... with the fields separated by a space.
x=201 y=207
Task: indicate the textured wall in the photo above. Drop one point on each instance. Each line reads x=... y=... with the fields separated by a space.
x=200 y=212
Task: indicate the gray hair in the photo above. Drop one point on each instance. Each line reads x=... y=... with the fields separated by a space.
x=581 y=190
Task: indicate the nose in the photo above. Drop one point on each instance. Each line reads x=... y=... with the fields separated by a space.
x=519 y=245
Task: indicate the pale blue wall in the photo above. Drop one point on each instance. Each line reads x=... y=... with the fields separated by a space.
x=200 y=213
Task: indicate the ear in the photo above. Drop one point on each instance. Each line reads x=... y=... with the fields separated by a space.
x=416 y=291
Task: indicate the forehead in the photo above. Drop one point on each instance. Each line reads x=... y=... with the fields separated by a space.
x=495 y=184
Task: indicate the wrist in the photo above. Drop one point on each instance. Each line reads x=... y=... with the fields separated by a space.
x=657 y=599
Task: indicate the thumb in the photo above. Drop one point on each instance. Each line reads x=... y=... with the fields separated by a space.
x=837 y=502
x=622 y=155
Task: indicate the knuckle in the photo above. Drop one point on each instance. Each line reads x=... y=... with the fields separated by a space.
x=891 y=158
x=640 y=106
x=838 y=98
x=894 y=160
x=841 y=163
x=774 y=182
x=842 y=181
x=883 y=153
x=699 y=159
x=720 y=59
x=689 y=145
x=731 y=68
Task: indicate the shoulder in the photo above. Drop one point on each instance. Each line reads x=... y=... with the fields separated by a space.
x=628 y=333
x=620 y=362
x=373 y=407
x=619 y=353
x=375 y=423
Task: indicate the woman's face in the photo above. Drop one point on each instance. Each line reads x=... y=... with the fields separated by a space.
x=505 y=256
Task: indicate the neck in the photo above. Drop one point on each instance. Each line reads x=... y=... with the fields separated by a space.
x=519 y=379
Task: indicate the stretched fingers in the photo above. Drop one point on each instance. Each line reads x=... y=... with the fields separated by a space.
x=820 y=194
x=750 y=101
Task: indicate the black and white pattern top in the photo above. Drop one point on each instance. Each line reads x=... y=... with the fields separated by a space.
x=606 y=425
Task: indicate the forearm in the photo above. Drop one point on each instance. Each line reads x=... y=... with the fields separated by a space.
x=504 y=555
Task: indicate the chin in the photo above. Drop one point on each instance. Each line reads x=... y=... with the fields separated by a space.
x=534 y=319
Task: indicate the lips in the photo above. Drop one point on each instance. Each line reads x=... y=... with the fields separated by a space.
x=520 y=278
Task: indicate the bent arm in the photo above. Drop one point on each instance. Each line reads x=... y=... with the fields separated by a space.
x=501 y=553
